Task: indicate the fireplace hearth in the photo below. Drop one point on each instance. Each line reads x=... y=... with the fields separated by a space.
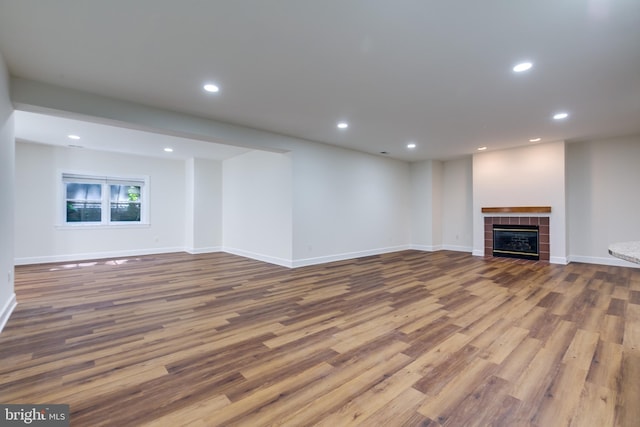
x=516 y=241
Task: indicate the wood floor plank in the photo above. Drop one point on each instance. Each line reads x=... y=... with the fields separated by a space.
x=438 y=354
x=514 y=365
x=581 y=350
x=545 y=365
x=316 y=409
x=628 y=396
x=631 y=338
x=372 y=400
x=487 y=404
x=612 y=329
x=606 y=365
x=194 y=415
x=504 y=345
x=265 y=397
x=401 y=339
x=596 y=408
x=561 y=398
x=443 y=405
x=401 y=411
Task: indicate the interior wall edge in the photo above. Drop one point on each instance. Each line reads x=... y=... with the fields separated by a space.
x=6 y=311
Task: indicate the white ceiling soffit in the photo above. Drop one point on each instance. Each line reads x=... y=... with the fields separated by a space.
x=51 y=130
x=434 y=73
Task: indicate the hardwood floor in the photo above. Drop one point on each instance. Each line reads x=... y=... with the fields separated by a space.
x=403 y=339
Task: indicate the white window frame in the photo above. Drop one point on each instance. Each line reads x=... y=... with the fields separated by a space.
x=106 y=181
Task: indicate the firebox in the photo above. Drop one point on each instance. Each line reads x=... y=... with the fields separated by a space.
x=516 y=241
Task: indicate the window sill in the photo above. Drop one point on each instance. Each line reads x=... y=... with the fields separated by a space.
x=100 y=226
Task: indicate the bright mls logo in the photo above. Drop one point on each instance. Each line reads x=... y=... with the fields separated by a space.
x=34 y=415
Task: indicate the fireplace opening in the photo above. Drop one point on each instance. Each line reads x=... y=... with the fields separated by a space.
x=516 y=241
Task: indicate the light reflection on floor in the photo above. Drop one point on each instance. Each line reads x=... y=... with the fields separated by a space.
x=92 y=263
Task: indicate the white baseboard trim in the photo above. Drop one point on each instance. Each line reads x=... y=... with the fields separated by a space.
x=259 y=257
x=559 y=260
x=434 y=248
x=615 y=262
x=8 y=308
x=94 y=255
x=208 y=250
x=194 y=251
x=347 y=255
x=457 y=248
x=293 y=263
x=426 y=248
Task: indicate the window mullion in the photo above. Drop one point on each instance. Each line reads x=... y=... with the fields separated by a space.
x=106 y=209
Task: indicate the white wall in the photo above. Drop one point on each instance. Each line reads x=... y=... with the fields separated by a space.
x=426 y=205
x=348 y=204
x=203 y=205
x=441 y=205
x=529 y=176
x=421 y=205
x=37 y=169
x=457 y=205
x=437 y=206
x=369 y=217
x=7 y=147
x=190 y=204
x=257 y=206
x=603 y=179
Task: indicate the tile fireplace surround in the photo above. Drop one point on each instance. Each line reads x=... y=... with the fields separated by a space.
x=541 y=221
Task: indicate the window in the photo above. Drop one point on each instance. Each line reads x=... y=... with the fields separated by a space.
x=100 y=200
x=84 y=202
x=124 y=202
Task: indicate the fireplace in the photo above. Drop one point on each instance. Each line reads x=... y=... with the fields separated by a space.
x=542 y=222
x=516 y=241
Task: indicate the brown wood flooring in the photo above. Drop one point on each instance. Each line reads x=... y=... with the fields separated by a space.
x=403 y=339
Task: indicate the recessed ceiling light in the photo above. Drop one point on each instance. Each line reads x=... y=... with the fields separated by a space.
x=168 y=150
x=523 y=66
x=560 y=116
x=343 y=125
x=412 y=145
x=535 y=139
x=76 y=137
x=211 y=87
x=482 y=148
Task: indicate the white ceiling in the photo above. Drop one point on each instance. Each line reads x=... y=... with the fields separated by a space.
x=437 y=73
